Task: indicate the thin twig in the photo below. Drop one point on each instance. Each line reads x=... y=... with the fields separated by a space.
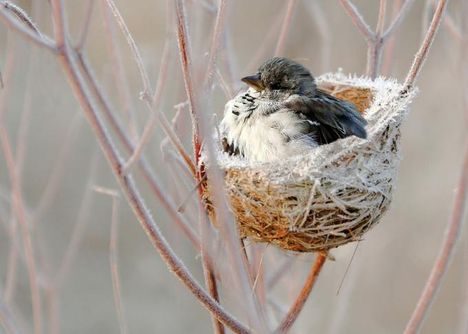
x=227 y=228
x=25 y=30
x=133 y=47
x=390 y=42
x=129 y=146
x=322 y=23
x=8 y=321
x=182 y=38
x=58 y=170
x=114 y=257
x=404 y=9
x=449 y=23
x=301 y=299
x=451 y=236
x=357 y=19
x=279 y=50
x=119 y=72
x=208 y=267
x=81 y=223
x=421 y=55
x=218 y=31
x=374 y=52
x=85 y=26
x=18 y=205
x=68 y=60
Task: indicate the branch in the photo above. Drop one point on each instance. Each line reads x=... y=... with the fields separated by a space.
x=357 y=19
x=114 y=257
x=69 y=62
x=421 y=55
x=398 y=19
x=301 y=299
x=215 y=42
x=184 y=54
x=129 y=146
x=85 y=26
x=26 y=31
x=452 y=234
x=18 y=206
x=133 y=47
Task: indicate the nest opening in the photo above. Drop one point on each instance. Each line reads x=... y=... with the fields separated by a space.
x=333 y=195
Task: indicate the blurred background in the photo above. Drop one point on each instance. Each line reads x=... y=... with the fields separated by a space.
x=59 y=164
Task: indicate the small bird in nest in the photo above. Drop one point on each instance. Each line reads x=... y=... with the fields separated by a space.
x=284 y=114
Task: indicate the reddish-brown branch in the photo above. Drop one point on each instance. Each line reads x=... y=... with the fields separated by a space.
x=185 y=62
x=69 y=62
x=301 y=299
x=421 y=55
x=442 y=262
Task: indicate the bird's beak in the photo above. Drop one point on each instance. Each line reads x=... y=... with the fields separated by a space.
x=254 y=81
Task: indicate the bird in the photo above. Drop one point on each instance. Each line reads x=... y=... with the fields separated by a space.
x=283 y=114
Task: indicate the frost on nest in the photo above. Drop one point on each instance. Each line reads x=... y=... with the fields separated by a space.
x=333 y=195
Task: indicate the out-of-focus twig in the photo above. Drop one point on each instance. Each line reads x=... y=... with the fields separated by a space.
x=321 y=22
x=388 y=55
x=152 y=181
x=119 y=72
x=114 y=257
x=218 y=31
x=442 y=262
x=18 y=205
x=375 y=39
x=131 y=42
x=403 y=11
x=280 y=45
x=69 y=62
x=301 y=299
x=82 y=36
x=357 y=19
x=7 y=320
x=58 y=170
x=23 y=28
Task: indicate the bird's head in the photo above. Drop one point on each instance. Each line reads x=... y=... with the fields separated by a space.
x=282 y=76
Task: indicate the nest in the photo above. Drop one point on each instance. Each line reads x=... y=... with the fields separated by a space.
x=336 y=193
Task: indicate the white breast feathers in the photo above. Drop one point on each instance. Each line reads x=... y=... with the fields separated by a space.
x=262 y=130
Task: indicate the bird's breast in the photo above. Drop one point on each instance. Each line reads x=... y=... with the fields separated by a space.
x=268 y=136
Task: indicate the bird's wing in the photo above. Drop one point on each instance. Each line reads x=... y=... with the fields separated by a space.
x=336 y=118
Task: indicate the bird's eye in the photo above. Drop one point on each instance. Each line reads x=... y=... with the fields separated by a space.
x=276 y=86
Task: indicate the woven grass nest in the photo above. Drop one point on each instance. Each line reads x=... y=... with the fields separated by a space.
x=336 y=193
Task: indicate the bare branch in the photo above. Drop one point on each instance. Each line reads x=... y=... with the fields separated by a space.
x=301 y=299
x=25 y=30
x=133 y=47
x=398 y=19
x=129 y=146
x=357 y=19
x=85 y=26
x=452 y=234
x=421 y=55
x=184 y=53
x=18 y=205
x=114 y=256
x=381 y=18
x=68 y=60
x=215 y=42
